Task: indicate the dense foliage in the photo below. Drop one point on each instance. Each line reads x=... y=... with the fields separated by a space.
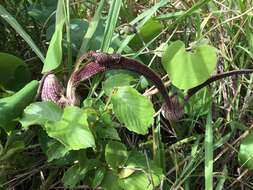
x=113 y=135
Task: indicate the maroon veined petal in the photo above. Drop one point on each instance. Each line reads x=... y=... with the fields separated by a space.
x=174 y=111
x=52 y=90
x=87 y=71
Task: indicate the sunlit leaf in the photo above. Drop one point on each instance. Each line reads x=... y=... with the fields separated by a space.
x=13 y=106
x=117 y=80
x=115 y=154
x=72 y=130
x=143 y=173
x=54 y=53
x=40 y=113
x=189 y=69
x=246 y=152
x=133 y=109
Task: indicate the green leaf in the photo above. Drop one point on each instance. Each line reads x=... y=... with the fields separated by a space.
x=54 y=53
x=13 y=106
x=139 y=181
x=14 y=73
x=75 y=174
x=189 y=69
x=56 y=150
x=143 y=173
x=115 y=154
x=13 y=22
x=246 y=152
x=39 y=113
x=133 y=109
x=107 y=132
x=146 y=33
x=110 y=181
x=99 y=175
x=72 y=130
x=117 y=80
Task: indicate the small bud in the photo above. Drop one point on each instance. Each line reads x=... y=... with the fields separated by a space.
x=52 y=90
x=173 y=112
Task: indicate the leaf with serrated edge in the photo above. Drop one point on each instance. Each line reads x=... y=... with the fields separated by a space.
x=133 y=109
x=72 y=130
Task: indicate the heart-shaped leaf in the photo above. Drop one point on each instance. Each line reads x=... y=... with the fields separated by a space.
x=132 y=109
x=72 y=130
x=246 y=152
x=189 y=69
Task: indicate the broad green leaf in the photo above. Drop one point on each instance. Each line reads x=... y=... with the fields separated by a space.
x=115 y=154
x=13 y=106
x=139 y=181
x=56 y=150
x=75 y=174
x=133 y=109
x=110 y=181
x=111 y=22
x=99 y=176
x=108 y=133
x=13 y=22
x=14 y=73
x=146 y=33
x=72 y=130
x=39 y=113
x=117 y=80
x=54 y=53
x=188 y=69
x=143 y=173
x=246 y=152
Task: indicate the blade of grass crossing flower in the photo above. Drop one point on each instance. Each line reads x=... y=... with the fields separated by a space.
x=69 y=65
x=92 y=28
x=209 y=153
x=14 y=24
x=54 y=53
x=111 y=24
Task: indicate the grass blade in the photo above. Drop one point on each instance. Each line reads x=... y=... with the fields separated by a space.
x=111 y=24
x=222 y=179
x=92 y=28
x=14 y=24
x=209 y=153
x=68 y=31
